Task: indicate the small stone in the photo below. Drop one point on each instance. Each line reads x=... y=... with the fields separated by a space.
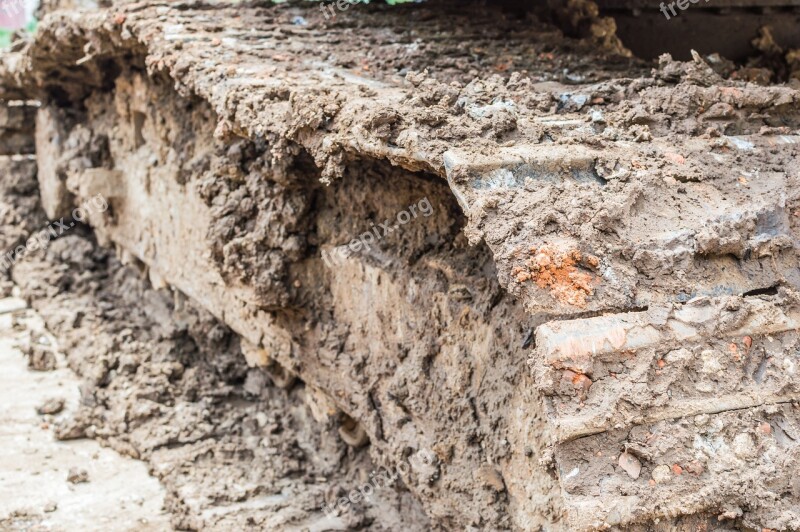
x=630 y=464
x=582 y=383
x=743 y=446
x=695 y=468
x=711 y=364
x=662 y=474
x=77 y=476
x=50 y=407
x=50 y=507
x=765 y=428
x=677 y=470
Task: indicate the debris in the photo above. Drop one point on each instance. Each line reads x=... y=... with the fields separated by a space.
x=77 y=476
x=630 y=464
x=51 y=407
x=490 y=477
x=662 y=474
x=695 y=468
x=557 y=270
x=71 y=429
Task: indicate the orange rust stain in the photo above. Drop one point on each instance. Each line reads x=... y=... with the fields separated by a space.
x=557 y=271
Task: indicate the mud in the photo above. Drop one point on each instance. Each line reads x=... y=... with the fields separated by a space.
x=592 y=329
x=232 y=451
x=348 y=350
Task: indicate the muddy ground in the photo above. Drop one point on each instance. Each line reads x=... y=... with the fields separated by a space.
x=232 y=450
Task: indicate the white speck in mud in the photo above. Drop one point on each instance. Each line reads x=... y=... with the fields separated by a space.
x=572 y=473
x=741 y=144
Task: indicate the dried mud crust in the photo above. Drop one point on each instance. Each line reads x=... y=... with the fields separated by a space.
x=402 y=359
x=296 y=79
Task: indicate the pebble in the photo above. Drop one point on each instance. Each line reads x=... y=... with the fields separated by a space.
x=77 y=476
x=743 y=446
x=630 y=464
x=662 y=474
x=50 y=407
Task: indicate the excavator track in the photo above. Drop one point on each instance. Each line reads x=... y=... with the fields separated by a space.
x=566 y=277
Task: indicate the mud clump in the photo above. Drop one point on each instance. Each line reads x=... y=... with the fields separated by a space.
x=40 y=358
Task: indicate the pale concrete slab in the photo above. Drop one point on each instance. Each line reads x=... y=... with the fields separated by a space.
x=34 y=491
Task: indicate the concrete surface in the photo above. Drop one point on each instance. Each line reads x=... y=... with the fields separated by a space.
x=34 y=491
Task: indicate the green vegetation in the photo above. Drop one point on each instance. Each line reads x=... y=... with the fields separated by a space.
x=5 y=34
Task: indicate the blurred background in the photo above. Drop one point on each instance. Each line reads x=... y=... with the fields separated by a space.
x=16 y=15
